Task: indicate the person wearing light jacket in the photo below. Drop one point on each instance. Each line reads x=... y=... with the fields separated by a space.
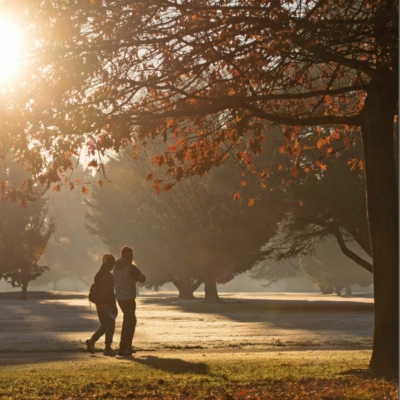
x=126 y=274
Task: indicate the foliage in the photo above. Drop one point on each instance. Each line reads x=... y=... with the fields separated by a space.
x=295 y=375
x=193 y=231
x=320 y=207
x=328 y=267
x=326 y=203
x=73 y=252
x=164 y=68
x=24 y=237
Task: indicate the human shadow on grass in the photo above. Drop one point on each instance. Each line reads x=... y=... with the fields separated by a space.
x=172 y=365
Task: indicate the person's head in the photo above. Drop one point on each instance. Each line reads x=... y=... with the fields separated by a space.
x=127 y=253
x=108 y=261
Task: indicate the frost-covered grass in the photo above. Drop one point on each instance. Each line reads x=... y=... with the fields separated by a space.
x=61 y=322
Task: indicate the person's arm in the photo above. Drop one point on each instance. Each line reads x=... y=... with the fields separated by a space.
x=141 y=278
x=110 y=284
x=137 y=274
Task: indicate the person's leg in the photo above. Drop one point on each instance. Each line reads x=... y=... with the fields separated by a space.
x=99 y=332
x=133 y=322
x=109 y=328
x=128 y=323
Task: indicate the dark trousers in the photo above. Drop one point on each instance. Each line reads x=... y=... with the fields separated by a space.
x=128 y=308
x=107 y=325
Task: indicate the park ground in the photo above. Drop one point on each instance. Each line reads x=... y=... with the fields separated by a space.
x=252 y=346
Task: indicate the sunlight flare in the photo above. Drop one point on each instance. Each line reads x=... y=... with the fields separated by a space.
x=10 y=49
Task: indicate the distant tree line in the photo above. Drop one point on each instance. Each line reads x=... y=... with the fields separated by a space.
x=195 y=233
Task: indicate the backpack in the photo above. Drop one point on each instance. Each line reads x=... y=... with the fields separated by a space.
x=93 y=294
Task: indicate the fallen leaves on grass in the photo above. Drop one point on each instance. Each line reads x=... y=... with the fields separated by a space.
x=316 y=389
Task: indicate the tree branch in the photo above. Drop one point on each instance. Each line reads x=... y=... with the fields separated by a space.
x=347 y=252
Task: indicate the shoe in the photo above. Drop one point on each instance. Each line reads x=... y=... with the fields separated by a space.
x=109 y=352
x=90 y=346
x=131 y=349
x=124 y=353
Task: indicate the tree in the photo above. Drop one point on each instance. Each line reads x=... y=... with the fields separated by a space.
x=73 y=252
x=24 y=238
x=331 y=272
x=192 y=234
x=112 y=72
x=323 y=204
x=327 y=266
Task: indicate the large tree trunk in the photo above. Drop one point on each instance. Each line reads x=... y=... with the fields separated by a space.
x=186 y=292
x=186 y=287
x=325 y=288
x=210 y=290
x=24 y=292
x=382 y=205
x=338 y=289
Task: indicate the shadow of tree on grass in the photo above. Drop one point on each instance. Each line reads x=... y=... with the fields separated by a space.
x=371 y=374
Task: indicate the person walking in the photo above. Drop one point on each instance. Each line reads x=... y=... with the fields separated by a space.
x=126 y=274
x=106 y=306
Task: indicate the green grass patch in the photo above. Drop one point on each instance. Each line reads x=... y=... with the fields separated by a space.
x=201 y=375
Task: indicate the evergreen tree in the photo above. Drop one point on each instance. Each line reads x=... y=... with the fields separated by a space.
x=191 y=234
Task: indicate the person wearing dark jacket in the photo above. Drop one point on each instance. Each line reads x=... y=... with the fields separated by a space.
x=106 y=306
x=126 y=274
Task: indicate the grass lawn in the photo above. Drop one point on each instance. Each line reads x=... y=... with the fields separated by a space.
x=201 y=375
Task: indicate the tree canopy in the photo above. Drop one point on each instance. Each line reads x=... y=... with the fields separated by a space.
x=323 y=204
x=192 y=234
x=105 y=73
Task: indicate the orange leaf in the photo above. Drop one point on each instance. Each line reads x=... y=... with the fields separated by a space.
x=301 y=203
x=236 y=196
x=336 y=134
x=243 y=183
x=251 y=202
